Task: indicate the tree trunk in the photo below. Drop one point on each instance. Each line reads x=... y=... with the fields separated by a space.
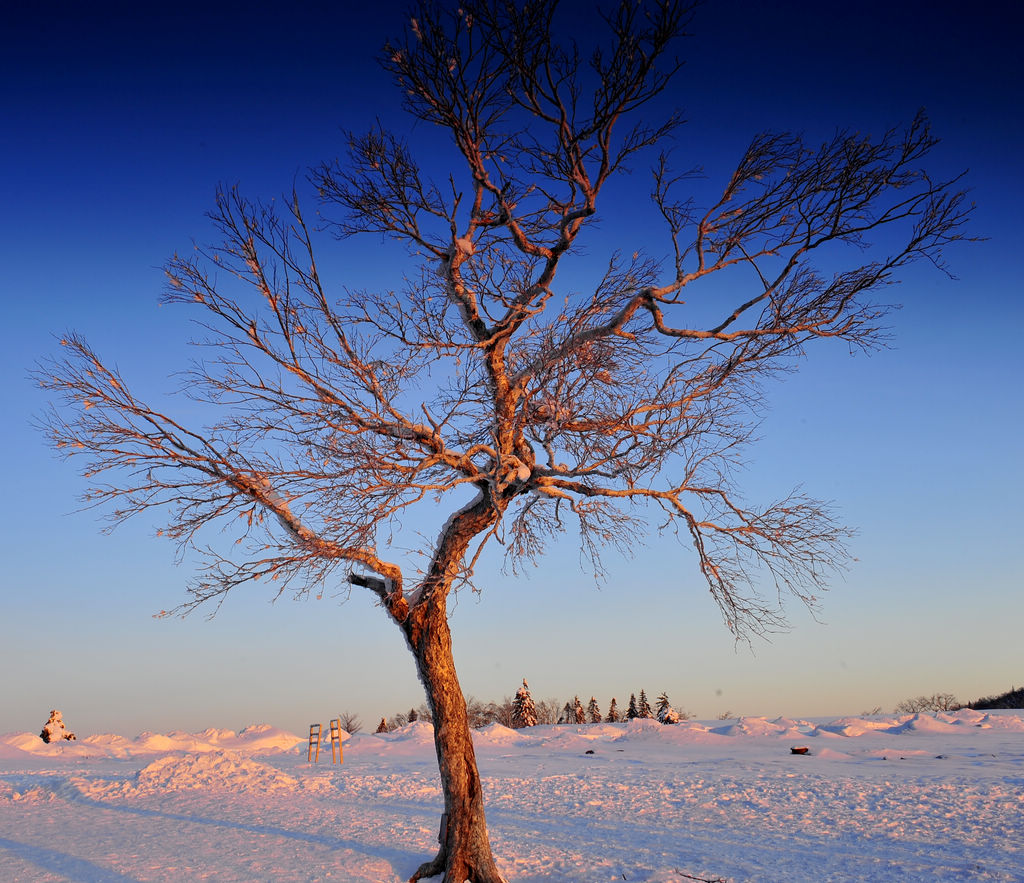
x=465 y=850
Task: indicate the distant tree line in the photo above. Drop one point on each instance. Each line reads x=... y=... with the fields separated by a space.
x=522 y=711
x=1012 y=698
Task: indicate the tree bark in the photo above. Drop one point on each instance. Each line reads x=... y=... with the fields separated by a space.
x=465 y=849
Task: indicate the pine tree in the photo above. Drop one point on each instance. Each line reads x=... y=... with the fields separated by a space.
x=593 y=712
x=613 y=712
x=666 y=713
x=631 y=712
x=524 y=712
x=644 y=708
x=568 y=715
x=382 y=727
x=577 y=711
x=413 y=716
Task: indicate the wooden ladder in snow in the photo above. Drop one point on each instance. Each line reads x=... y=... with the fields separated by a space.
x=336 y=741
x=313 y=755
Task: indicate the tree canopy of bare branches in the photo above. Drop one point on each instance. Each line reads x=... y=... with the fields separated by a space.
x=935 y=702
x=484 y=387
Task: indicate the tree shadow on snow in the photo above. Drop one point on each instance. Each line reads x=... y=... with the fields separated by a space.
x=403 y=861
x=69 y=866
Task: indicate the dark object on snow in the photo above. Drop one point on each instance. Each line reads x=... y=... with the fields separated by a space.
x=800 y=749
x=589 y=751
x=55 y=730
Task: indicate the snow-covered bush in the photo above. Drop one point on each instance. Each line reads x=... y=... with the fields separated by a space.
x=54 y=730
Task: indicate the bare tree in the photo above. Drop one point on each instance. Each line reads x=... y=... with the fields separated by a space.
x=479 y=713
x=485 y=390
x=935 y=702
x=350 y=722
x=503 y=712
x=548 y=711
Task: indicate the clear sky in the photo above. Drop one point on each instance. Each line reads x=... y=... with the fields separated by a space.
x=117 y=124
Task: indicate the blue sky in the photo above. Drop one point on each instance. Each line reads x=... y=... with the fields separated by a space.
x=118 y=126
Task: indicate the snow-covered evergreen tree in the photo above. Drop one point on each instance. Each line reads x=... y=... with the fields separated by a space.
x=631 y=712
x=54 y=729
x=644 y=707
x=524 y=712
x=593 y=712
x=412 y=717
x=613 y=712
x=577 y=711
x=382 y=727
x=666 y=713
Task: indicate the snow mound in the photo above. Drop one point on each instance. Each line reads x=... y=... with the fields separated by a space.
x=227 y=770
x=31 y=794
x=222 y=770
x=217 y=734
x=417 y=731
x=32 y=744
x=684 y=733
x=161 y=743
x=9 y=751
x=831 y=754
x=265 y=739
x=853 y=727
x=258 y=739
x=788 y=723
x=27 y=742
x=924 y=723
x=109 y=744
x=602 y=731
x=496 y=734
x=757 y=726
x=962 y=716
x=642 y=727
x=1010 y=721
x=565 y=740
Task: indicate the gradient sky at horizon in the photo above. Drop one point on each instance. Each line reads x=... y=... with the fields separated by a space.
x=118 y=123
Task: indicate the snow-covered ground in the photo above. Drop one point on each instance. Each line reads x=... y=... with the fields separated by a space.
x=884 y=799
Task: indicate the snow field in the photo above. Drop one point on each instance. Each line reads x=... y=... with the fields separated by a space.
x=910 y=798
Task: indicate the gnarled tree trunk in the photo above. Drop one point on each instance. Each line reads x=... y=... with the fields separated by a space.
x=465 y=850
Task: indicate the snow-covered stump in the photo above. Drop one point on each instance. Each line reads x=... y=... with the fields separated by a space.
x=54 y=730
